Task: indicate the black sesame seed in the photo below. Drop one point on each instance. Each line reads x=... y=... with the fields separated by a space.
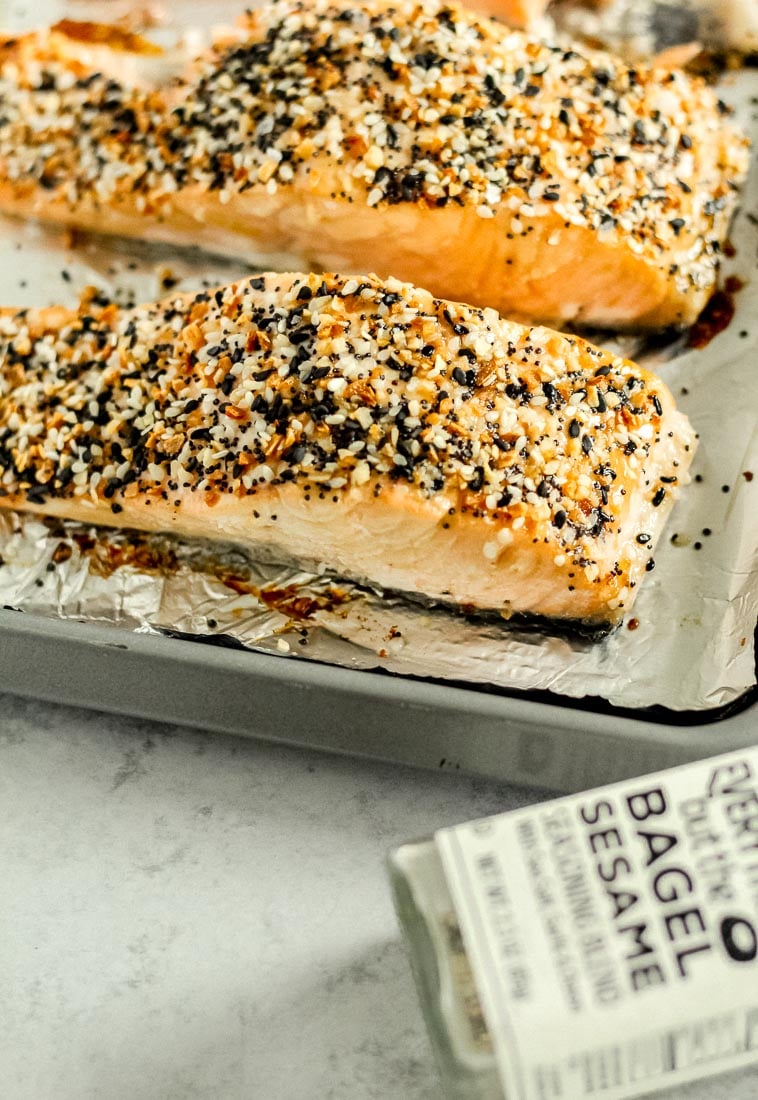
x=477 y=481
x=659 y=497
x=37 y=494
x=295 y=454
x=551 y=393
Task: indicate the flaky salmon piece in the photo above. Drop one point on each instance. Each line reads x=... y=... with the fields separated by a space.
x=408 y=138
x=356 y=425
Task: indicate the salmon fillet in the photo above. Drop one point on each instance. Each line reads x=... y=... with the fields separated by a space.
x=356 y=425
x=411 y=139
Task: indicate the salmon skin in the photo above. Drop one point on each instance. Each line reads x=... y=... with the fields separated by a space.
x=355 y=425
x=414 y=139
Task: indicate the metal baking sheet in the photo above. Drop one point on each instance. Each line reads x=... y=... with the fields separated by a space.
x=687 y=644
x=540 y=744
x=363 y=631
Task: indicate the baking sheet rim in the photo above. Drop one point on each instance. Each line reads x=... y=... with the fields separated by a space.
x=331 y=678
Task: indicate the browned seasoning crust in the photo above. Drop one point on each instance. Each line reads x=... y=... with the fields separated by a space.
x=412 y=139
x=423 y=445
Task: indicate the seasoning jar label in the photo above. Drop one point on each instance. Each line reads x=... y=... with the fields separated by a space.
x=613 y=935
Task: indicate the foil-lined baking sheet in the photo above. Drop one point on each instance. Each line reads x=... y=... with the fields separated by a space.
x=687 y=644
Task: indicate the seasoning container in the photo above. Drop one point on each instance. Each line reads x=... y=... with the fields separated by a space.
x=599 y=945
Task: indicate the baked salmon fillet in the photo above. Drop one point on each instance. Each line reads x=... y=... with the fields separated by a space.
x=409 y=138
x=355 y=425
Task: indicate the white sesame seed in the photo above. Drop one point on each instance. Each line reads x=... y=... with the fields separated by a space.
x=361 y=473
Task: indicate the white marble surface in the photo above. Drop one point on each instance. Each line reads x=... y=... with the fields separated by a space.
x=186 y=915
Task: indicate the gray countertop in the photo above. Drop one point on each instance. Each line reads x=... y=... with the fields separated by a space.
x=188 y=915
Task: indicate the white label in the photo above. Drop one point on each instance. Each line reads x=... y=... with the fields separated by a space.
x=613 y=935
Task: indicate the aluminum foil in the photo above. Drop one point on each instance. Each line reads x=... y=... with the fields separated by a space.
x=688 y=643
x=644 y=28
